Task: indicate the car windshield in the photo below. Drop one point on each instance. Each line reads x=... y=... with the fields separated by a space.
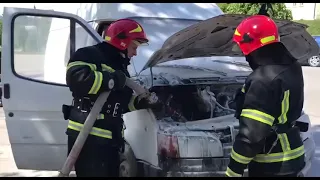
x=157 y=30
x=317 y=38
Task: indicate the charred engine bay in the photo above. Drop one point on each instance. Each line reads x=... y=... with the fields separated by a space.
x=196 y=102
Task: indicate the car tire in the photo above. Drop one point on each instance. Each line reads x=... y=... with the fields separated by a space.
x=314 y=61
x=128 y=163
x=300 y=175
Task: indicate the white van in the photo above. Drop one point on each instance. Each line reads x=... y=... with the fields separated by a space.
x=34 y=88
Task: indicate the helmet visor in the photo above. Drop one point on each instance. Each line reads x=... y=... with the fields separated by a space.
x=141 y=42
x=236 y=48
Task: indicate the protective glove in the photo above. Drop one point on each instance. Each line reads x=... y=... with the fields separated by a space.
x=119 y=80
x=148 y=100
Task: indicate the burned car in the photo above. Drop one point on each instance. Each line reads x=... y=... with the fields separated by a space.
x=191 y=64
x=196 y=73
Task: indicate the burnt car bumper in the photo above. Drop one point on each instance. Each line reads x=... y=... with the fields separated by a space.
x=204 y=167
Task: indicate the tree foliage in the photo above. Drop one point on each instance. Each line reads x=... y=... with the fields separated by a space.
x=279 y=9
x=223 y=6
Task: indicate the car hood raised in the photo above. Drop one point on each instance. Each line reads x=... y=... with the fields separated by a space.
x=213 y=37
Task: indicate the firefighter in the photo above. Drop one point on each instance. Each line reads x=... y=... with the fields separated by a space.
x=271 y=100
x=95 y=69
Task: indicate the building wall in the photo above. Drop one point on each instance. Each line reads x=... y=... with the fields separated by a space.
x=317 y=10
x=305 y=11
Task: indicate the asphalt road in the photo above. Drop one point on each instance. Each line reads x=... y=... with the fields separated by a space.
x=312 y=98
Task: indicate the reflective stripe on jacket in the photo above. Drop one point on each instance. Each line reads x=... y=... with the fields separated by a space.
x=95 y=131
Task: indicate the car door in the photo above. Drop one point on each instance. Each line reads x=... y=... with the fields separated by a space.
x=36 y=45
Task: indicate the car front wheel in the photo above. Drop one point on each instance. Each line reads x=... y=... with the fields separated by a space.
x=314 y=61
x=128 y=163
x=300 y=175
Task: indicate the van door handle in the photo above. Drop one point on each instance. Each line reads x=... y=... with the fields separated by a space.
x=6 y=91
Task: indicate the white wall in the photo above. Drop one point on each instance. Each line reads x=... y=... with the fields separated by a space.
x=304 y=11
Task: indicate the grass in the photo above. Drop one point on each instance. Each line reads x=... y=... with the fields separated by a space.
x=314 y=26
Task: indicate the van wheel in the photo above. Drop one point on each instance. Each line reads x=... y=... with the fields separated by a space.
x=300 y=175
x=314 y=61
x=128 y=163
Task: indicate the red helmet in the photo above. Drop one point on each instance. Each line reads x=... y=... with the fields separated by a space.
x=255 y=32
x=121 y=32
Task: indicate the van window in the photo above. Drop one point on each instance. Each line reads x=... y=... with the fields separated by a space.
x=42 y=47
x=102 y=26
x=30 y=43
x=82 y=40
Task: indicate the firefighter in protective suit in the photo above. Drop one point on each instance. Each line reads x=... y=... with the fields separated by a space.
x=271 y=100
x=95 y=69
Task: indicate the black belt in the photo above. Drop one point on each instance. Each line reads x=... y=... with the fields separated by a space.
x=84 y=104
x=283 y=128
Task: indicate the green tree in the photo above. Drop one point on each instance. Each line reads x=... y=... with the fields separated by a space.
x=279 y=9
x=223 y=6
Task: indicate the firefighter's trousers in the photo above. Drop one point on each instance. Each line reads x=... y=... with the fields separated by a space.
x=96 y=160
x=254 y=172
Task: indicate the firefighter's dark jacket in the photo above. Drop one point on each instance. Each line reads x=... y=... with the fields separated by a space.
x=272 y=97
x=89 y=71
